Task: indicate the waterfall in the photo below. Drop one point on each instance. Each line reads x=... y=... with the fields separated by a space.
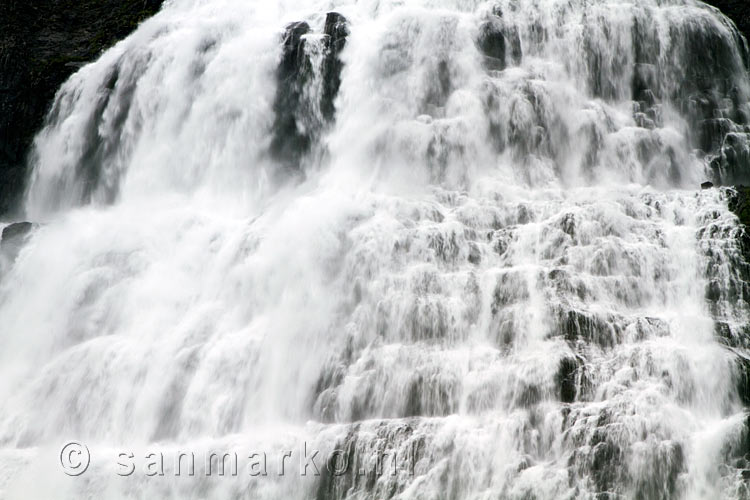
x=463 y=236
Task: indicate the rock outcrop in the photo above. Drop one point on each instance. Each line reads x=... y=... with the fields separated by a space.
x=301 y=114
x=739 y=203
x=41 y=44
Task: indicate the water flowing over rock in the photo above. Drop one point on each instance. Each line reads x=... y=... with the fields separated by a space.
x=468 y=236
x=309 y=77
x=41 y=44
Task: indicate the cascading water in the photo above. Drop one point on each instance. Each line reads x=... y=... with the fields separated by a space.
x=462 y=233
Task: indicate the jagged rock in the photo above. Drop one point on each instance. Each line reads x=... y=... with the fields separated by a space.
x=731 y=164
x=41 y=44
x=605 y=331
x=742 y=379
x=296 y=126
x=739 y=203
x=293 y=58
x=337 y=30
x=290 y=141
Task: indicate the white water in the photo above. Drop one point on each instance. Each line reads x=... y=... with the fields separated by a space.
x=457 y=236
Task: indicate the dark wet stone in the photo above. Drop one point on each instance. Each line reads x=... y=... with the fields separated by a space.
x=492 y=44
x=296 y=126
x=742 y=379
x=430 y=396
x=707 y=185
x=17 y=230
x=566 y=379
x=363 y=459
x=577 y=326
x=606 y=462
x=13 y=238
x=499 y=43
x=739 y=203
x=290 y=141
x=337 y=30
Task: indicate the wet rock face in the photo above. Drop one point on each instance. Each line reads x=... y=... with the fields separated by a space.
x=499 y=43
x=307 y=88
x=13 y=238
x=17 y=230
x=41 y=44
x=719 y=130
x=337 y=30
x=290 y=140
x=739 y=203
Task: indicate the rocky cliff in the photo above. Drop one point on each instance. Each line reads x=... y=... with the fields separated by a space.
x=42 y=42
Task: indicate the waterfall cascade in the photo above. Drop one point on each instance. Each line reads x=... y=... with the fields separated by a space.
x=464 y=234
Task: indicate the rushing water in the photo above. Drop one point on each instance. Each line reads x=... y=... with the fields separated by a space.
x=466 y=234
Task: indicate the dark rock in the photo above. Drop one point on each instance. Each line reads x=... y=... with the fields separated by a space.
x=337 y=30
x=566 y=379
x=738 y=288
x=499 y=44
x=17 y=230
x=297 y=126
x=293 y=58
x=13 y=238
x=707 y=185
x=492 y=43
x=737 y=448
x=41 y=44
x=742 y=379
x=739 y=203
x=290 y=140
x=605 y=331
x=366 y=456
x=731 y=164
x=430 y=396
